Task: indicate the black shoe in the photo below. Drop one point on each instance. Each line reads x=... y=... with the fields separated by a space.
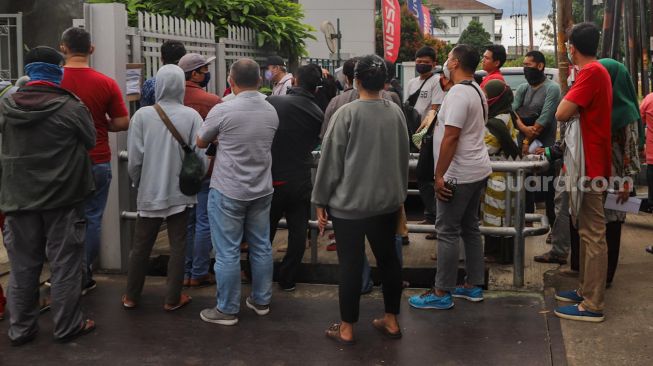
x=288 y=288
x=405 y=240
x=24 y=340
x=90 y=286
x=549 y=257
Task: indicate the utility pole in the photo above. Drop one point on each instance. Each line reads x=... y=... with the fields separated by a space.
x=565 y=21
x=644 y=41
x=631 y=55
x=530 y=25
x=616 y=33
x=608 y=28
x=555 y=30
x=588 y=14
x=519 y=33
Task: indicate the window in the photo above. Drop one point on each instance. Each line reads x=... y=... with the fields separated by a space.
x=454 y=22
x=476 y=19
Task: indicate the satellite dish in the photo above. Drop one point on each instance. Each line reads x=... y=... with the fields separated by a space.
x=330 y=35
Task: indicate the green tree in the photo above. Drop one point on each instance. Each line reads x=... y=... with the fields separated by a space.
x=278 y=23
x=476 y=36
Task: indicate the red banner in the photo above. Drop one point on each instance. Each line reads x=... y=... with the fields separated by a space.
x=427 y=19
x=391 y=29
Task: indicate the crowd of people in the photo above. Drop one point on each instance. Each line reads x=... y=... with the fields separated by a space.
x=254 y=159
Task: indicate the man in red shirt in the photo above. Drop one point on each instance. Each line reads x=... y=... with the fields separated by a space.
x=492 y=60
x=591 y=97
x=104 y=99
x=198 y=239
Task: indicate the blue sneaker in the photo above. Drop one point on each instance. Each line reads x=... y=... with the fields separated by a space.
x=572 y=312
x=474 y=294
x=569 y=296
x=429 y=300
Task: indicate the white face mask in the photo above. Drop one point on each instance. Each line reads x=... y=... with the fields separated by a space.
x=446 y=71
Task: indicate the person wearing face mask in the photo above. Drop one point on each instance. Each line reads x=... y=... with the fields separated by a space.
x=43 y=193
x=425 y=94
x=198 y=238
x=276 y=73
x=591 y=98
x=535 y=104
x=461 y=171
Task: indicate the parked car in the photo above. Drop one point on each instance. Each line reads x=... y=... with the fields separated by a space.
x=515 y=75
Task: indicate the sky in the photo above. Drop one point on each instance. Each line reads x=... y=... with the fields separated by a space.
x=541 y=9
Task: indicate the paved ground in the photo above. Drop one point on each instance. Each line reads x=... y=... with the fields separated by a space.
x=507 y=329
x=626 y=337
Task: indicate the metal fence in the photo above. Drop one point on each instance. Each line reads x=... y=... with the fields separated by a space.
x=325 y=63
x=144 y=41
x=11 y=46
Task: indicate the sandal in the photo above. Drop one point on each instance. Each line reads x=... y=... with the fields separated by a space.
x=379 y=324
x=334 y=333
x=87 y=327
x=183 y=301
x=127 y=304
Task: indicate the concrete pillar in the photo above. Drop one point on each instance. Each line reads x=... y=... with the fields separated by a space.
x=107 y=24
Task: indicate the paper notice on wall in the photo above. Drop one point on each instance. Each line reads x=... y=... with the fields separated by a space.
x=631 y=206
x=133 y=80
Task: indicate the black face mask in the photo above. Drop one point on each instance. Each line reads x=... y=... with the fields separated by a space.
x=533 y=75
x=423 y=68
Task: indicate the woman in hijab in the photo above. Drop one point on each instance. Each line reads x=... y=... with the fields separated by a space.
x=627 y=136
x=501 y=141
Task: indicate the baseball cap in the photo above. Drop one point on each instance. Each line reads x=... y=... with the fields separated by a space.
x=193 y=61
x=43 y=54
x=275 y=61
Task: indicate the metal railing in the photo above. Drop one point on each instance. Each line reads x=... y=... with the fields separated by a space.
x=515 y=223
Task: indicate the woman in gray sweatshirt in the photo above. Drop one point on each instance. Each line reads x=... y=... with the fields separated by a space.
x=362 y=180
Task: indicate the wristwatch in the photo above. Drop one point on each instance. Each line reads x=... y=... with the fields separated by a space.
x=525 y=142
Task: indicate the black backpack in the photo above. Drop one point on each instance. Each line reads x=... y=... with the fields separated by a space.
x=413 y=118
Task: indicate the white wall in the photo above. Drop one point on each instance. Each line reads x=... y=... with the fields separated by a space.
x=453 y=33
x=356 y=25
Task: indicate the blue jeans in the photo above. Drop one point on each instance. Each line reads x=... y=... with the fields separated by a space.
x=230 y=219
x=94 y=210
x=198 y=240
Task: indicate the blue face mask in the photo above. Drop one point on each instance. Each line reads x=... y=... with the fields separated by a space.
x=205 y=82
x=268 y=75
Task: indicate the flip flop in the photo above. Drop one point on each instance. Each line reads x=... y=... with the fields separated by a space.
x=126 y=303
x=183 y=301
x=379 y=324
x=87 y=327
x=334 y=333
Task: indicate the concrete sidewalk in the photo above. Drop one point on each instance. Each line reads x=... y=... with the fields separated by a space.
x=506 y=329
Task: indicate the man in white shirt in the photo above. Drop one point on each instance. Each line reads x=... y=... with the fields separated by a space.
x=429 y=98
x=276 y=73
x=462 y=168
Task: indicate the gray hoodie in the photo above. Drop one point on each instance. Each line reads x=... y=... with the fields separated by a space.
x=155 y=157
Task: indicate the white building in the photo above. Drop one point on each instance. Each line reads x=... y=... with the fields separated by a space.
x=457 y=14
x=356 y=26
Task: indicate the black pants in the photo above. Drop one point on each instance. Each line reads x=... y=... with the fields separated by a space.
x=547 y=195
x=292 y=200
x=612 y=236
x=350 y=236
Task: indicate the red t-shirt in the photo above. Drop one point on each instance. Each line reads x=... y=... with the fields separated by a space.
x=102 y=97
x=494 y=75
x=592 y=92
x=199 y=99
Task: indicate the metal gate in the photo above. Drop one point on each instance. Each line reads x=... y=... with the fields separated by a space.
x=11 y=44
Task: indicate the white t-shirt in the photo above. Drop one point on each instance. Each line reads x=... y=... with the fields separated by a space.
x=431 y=93
x=462 y=108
